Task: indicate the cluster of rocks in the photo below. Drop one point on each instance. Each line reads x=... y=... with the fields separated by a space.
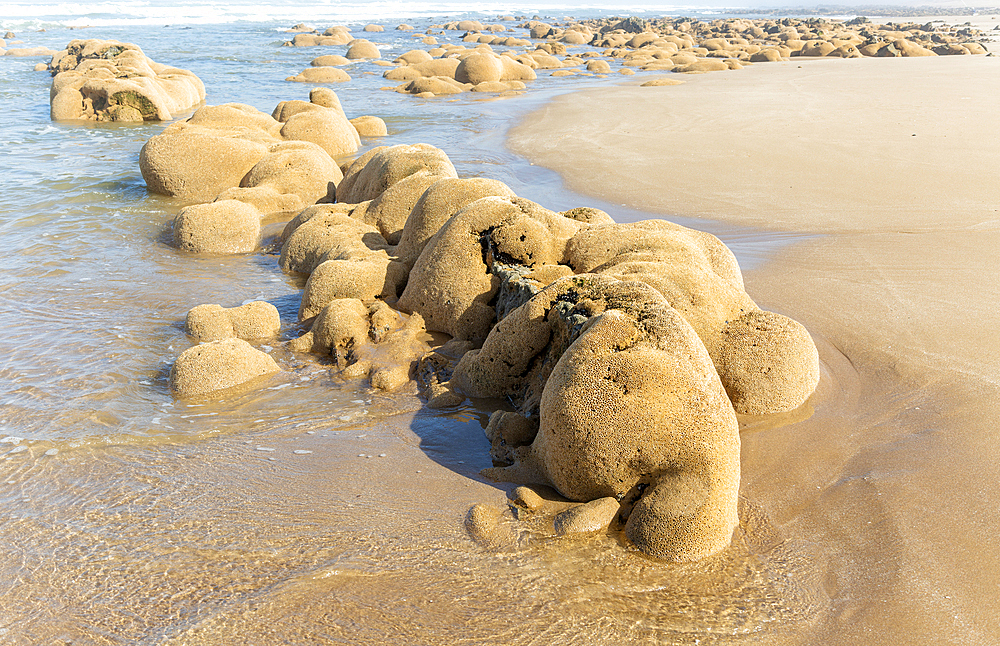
x=627 y=349
x=233 y=154
x=106 y=80
x=682 y=45
x=748 y=40
x=460 y=70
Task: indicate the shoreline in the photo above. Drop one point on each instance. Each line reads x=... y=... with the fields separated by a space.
x=896 y=286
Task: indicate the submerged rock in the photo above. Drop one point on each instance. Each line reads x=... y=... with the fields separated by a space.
x=226 y=226
x=218 y=365
x=592 y=516
x=255 y=320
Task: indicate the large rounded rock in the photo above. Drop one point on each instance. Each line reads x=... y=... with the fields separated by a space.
x=217 y=366
x=329 y=60
x=389 y=211
x=370 y=126
x=194 y=164
x=442 y=199
x=430 y=68
x=433 y=86
x=514 y=70
x=598 y=67
x=255 y=320
x=340 y=326
x=767 y=361
x=265 y=199
x=365 y=276
x=381 y=167
x=632 y=409
x=236 y=119
x=413 y=57
x=703 y=65
x=361 y=49
x=479 y=68
x=322 y=230
x=299 y=168
x=326 y=127
x=321 y=75
x=226 y=226
x=325 y=98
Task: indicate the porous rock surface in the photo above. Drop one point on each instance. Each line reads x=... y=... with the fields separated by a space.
x=254 y=320
x=218 y=365
x=106 y=80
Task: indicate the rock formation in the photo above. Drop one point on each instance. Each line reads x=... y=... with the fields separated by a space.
x=105 y=80
x=627 y=349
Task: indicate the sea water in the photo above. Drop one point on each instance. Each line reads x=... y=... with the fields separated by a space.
x=311 y=510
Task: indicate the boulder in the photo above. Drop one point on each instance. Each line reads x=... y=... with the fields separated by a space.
x=218 y=365
x=324 y=229
x=426 y=69
x=106 y=80
x=515 y=71
x=817 y=48
x=388 y=212
x=767 y=362
x=320 y=75
x=381 y=167
x=329 y=60
x=298 y=168
x=479 y=68
x=364 y=276
x=339 y=327
x=226 y=226
x=598 y=67
x=265 y=199
x=255 y=320
x=766 y=55
x=330 y=38
x=413 y=57
x=433 y=86
x=703 y=65
x=369 y=126
x=630 y=405
x=194 y=163
x=326 y=98
x=442 y=199
x=451 y=283
x=326 y=127
x=361 y=49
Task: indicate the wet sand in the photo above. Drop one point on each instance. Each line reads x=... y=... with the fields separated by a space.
x=888 y=166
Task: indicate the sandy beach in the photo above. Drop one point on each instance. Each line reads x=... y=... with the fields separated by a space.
x=887 y=167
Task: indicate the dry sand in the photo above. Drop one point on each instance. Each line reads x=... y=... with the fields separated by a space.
x=892 y=164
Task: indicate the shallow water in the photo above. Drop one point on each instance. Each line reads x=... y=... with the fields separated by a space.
x=311 y=510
